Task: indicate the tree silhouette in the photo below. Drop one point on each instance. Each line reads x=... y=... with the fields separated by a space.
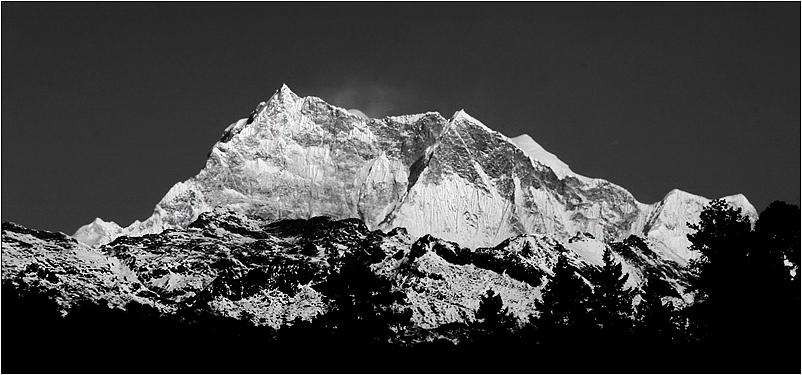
x=656 y=317
x=774 y=299
x=495 y=324
x=722 y=237
x=365 y=307
x=654 y=313
x=491 y=308
x=564 y=309
x=494 y=333
x=777 y=231
x=612 y=301
x=744 y=299
x=30 y=319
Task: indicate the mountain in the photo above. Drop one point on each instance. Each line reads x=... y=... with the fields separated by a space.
x=312 y=227
x=454 y=178
x=234 y=277
x=442 y=209
x=228 y=264
x=98 y=232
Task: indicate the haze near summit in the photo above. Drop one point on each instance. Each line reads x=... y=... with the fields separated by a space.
x=108 y=105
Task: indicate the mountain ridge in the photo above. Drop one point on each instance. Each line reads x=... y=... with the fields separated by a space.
x=442 y=209
x=409 y=171
x=232 y=265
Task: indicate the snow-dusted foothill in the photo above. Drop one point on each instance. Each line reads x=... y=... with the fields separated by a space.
x=268 y=272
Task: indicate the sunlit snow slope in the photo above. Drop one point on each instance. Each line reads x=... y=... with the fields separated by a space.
x=453 y=178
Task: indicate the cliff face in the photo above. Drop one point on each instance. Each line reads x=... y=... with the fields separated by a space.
x=443 y=209
x=452 y=178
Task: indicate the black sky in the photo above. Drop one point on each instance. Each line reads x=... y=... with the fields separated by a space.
x=106 y=105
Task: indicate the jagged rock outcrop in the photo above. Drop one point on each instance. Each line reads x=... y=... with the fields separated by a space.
x=444 y=209
x=453 y=178
x=66 y=269
x=267 y=272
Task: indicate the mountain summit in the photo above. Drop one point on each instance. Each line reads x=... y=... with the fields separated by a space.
x=305 y=211
x=300 y=157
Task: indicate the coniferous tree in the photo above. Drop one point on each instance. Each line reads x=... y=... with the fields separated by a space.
x=657 y=329
x=773 y=308
x=742 y=288
x=656 y=317
x=777 y=236
x=722 y=237
x=495 y=325
x=612 y=301
x=491 y=308
x=365 y=308
x=564 y=310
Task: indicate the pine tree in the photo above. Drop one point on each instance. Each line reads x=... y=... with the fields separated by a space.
x=612 y=301
x=656 y=317
x=777 y=236
x=564 y=310
x=745 y=297
x=723 y=237
x=365 y=307
x=773 y=306
x=491 y=308
x=495 y=326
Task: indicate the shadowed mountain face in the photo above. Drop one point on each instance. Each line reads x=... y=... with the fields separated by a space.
x=456 y=179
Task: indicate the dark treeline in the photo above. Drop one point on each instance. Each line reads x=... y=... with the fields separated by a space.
x=744 y=319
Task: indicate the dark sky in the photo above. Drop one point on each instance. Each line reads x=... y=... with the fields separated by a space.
x=106 y=105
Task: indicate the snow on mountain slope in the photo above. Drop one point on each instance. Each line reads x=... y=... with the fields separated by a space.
x=98 y=232
x=57 y=262
x=453 y=178
x=536 y=152
x=666 y=221
x=269 y=272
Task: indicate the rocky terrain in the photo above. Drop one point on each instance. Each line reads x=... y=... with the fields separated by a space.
x=456 y=179
x=266 y=272
x=443 y=209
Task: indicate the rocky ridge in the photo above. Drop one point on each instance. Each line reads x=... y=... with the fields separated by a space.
x=445 y=209
x=228 y=264
x=452 y=178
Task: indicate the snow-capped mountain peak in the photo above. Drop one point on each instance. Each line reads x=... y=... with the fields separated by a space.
x=97 y=232
x=456 y=179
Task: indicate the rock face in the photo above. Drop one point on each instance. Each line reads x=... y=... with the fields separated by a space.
x=227 y=264
x=453 y=178
x=444 y=208
x=69 y=269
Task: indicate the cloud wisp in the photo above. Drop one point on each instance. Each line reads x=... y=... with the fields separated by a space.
x=373 y=100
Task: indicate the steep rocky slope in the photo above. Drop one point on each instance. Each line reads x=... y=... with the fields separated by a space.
x=444 y=209
x=453 y=178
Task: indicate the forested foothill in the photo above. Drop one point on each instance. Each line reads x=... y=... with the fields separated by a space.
x=744 y=318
